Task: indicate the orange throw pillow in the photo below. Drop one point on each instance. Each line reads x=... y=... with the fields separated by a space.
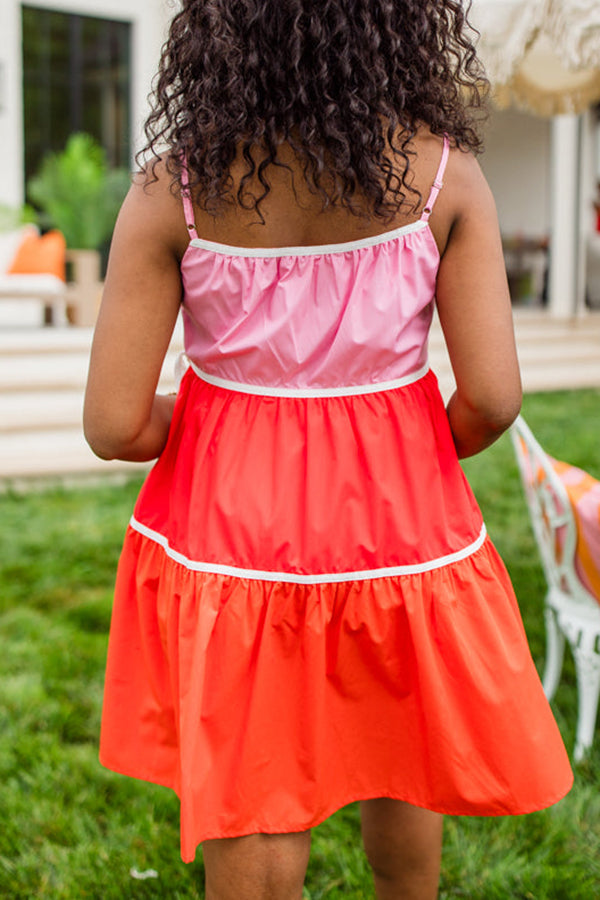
x=43 y=255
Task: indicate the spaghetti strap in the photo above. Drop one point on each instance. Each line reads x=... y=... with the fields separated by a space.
x=188 y=207
x=438 y=183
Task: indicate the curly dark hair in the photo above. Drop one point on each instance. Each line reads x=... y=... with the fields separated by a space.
x=345 y=83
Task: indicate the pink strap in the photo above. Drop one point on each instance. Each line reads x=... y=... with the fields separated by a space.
x=438 y=183
x=188 y=207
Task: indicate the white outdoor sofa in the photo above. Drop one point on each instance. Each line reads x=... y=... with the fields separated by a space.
x=75 y=302
x=48 y=289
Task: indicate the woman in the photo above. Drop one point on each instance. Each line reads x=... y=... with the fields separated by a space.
x=308 y=610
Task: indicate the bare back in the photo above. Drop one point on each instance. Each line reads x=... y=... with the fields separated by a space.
x=294 y=215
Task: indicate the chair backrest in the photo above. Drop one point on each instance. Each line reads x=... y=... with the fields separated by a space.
x=551 y=514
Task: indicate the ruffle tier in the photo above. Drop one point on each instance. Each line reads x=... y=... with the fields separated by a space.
x=310 y=485
x=268 y=705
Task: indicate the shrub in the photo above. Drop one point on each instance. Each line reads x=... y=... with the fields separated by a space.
x=78 y=193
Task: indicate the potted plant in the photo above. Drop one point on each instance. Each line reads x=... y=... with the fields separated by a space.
x=78 y=194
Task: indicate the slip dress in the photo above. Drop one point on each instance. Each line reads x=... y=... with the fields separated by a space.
x=308 y=610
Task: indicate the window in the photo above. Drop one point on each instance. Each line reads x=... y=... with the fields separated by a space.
x=76 y=77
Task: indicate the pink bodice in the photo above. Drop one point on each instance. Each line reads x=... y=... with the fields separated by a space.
x=311 y=317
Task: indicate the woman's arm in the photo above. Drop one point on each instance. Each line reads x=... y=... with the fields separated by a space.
x=124 y=418
x=475 y=313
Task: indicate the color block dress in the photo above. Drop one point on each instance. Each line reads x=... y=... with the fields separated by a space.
x=308 y=610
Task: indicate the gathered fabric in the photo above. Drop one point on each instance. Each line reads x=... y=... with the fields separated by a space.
x=308 y=609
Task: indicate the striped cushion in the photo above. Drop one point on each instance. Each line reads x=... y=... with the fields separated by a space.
x=584 y=495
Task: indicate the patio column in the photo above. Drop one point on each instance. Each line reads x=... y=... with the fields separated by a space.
x=588 y=169
x=564 y=255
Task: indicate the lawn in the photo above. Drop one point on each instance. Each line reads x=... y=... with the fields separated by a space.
x=73 y=830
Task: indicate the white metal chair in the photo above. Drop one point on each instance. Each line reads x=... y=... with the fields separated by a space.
x=571 y=611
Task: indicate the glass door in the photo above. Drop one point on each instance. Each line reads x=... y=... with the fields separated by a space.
x=76 y=77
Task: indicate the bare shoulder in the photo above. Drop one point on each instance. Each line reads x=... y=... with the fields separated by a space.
x=465 y=192
x=153 y=209
x=465 y=185
x=465 y=206
x=463 y=173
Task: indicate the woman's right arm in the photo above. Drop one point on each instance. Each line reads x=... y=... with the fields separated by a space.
x=475 y=313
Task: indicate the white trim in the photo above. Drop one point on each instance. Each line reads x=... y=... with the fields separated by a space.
x=309 y=249
x=293 y=577
x=345 y=391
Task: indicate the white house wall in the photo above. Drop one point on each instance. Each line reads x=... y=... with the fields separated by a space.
x=148 y=19
x=517 y=165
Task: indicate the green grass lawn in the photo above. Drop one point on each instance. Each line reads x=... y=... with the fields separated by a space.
x=70 y=829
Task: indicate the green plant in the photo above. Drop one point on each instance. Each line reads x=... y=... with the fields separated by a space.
x=78 y=193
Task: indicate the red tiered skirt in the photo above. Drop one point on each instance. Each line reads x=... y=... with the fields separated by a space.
x=308 y=612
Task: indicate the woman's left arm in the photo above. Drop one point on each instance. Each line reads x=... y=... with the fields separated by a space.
x=124 y=417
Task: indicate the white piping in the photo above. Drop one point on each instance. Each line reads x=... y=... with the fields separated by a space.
x=346 y=391
x=293 y=577
x=309 y=249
